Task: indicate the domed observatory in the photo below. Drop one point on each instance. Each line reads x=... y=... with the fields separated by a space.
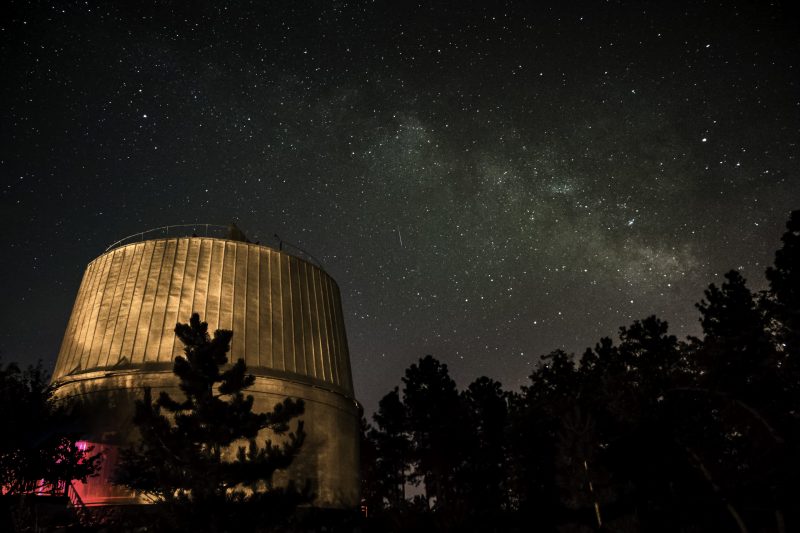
x=286 y=316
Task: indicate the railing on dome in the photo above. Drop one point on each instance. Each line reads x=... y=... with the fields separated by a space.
x=217 y=231
x=177 y=230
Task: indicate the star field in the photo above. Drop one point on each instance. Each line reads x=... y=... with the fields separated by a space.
x=485 y=184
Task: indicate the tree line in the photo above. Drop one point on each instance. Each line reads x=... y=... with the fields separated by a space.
x=644 y=432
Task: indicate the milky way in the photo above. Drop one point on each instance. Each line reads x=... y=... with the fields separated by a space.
x=485 y=185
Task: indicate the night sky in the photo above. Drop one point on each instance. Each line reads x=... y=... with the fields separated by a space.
x=485 y=184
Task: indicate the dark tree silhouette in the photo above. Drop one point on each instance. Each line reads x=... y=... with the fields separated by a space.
x=38 y=446
x=481 y=479
x=736 y=351
x=782 y=306
x=393 y=448
x=435 y=422
x=650 y=474
x=738 y=370
x=783 y=309
x=371 y=493
x=784 y=287
x=536 y=416
x=186 y=460
x=648 y=434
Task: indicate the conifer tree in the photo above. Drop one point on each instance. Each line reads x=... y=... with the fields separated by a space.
x=783 y=306
x=435 y=418
x=185 y=459
x=39 y=449
x=393 y=447
x=482 y=476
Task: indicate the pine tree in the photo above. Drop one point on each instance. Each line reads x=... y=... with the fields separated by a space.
x=435 y=420
x=483 y=489
x=784 y=276
x=185 y=459
x=736 y=352
x=393 y=448
x=741 y=447
x=783 y=308
x=39 y=450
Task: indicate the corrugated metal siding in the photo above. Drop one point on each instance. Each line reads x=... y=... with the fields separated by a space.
x=285 y=313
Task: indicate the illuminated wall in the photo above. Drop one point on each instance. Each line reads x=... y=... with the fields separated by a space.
x=288 y=326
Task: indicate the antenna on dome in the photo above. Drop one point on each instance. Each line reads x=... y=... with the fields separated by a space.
x=235 y=234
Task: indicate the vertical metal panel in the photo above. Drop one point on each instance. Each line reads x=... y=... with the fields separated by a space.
x=342 y=340
x=336 y=356
x=276 y=310
x=124 y=305
x=324 y=372
x=186 y=305
x=226 y=290
x=162 y=291
x=336 y=352
x=91 y=326
x=313 y=314
x=288 y=316
x=127 y=305
x=136 y=301
x=297 y=318
x=112 y=290
x=305 y=318
x=251 y=312
x=173 y=300
x=322 y=316
x=110 y=272
x=214 y=285
x=148 y=302
x=239 y=300
x=325 y=328
x=319 y=364
x=200 y=297
x=322 y=323
x=264 y=304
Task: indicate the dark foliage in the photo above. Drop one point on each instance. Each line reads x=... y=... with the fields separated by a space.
x=38 y=445
x=199 y=457
x=392 y=448
x=480 y=479
x=436 y=434
x=644 y=433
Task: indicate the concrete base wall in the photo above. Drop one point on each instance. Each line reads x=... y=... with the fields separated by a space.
x=328 y=460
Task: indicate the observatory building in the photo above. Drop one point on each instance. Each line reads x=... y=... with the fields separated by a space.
x=286 y=316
